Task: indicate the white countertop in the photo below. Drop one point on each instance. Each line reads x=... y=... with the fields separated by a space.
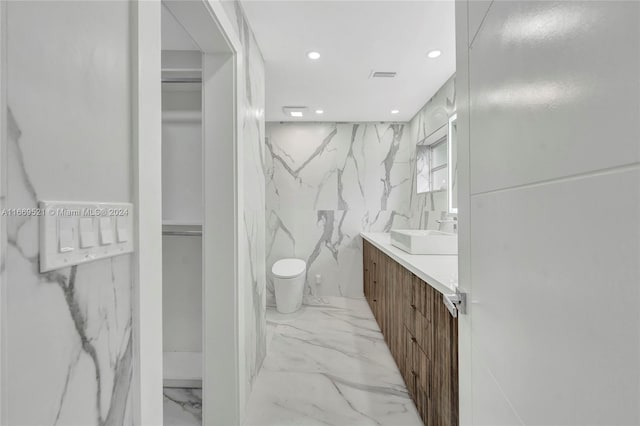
x=439 y=271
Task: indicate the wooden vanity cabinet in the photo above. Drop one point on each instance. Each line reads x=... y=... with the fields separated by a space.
x=420 y=332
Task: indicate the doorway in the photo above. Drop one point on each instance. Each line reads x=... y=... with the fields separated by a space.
x=199 y=217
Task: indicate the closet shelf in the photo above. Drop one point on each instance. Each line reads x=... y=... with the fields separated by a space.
x=180 y=223
x=182 y=116
x=182 y=229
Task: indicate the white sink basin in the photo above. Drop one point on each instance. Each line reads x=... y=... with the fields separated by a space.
x=418 y=241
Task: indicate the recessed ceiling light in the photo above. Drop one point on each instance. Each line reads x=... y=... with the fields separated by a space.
x=319 y=111
x=296 y=113
x=434 y=54
x=313 y=55
x=395 y=111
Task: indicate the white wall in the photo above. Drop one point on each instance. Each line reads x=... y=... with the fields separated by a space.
x=182 y=203
x=68 y=332
x=181 y=293
x=550 y=243
x=182 y=153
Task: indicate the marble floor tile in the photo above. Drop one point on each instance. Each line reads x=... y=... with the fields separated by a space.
x=328 y=364
x=182 y=407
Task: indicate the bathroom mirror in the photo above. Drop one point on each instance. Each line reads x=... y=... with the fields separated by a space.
x=453 y=163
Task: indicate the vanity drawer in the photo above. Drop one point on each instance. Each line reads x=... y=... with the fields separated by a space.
x=409 y=348
x=416 y=312
x=414 y=295
x=424 y=296
x=417 y=366
x=424 y=333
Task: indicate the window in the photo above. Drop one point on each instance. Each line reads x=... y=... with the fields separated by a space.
x=431 y=164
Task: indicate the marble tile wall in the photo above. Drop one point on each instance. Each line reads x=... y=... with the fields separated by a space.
x=328 y=182
x=253 y=305
x=426 y=208
x=69 y=346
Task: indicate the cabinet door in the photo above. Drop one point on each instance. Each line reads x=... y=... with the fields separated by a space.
x=375 y=282
x=408 y=352
x=409 y=306
x=424 y=323
x=444 y=383
x=397 y=305
x=422 y=369
x=390 y=268
x=366 y=269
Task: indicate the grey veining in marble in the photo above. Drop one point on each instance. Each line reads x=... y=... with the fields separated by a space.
x=328 y=364
x=252 y=151
x=68 y=333
x=99 y=352
x=328 y=182
x=182 y=407
x=325 y=183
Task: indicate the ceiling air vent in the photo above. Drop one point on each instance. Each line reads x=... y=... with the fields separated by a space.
x=382 y=74
x=295 y=111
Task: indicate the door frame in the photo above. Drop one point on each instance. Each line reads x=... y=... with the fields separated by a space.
x=464 y=203
x=208 y=25
x=3 y=218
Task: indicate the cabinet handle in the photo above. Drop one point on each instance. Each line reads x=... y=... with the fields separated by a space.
x=413 y=307
x=414 y=340
x=414 y=374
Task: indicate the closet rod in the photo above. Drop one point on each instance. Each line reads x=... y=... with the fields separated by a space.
x=183 y=233
x=182 y=80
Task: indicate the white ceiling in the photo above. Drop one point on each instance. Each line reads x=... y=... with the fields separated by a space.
x=354 y=38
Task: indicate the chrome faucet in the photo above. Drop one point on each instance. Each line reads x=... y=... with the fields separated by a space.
x=443 y=222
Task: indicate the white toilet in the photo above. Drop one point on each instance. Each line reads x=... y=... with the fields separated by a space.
x=288 y=280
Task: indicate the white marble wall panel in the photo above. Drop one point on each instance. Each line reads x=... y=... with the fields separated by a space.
x=253 y=305
x=326 y=183
x=68 y=332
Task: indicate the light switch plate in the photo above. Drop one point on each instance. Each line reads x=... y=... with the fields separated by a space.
x=106 y=231
x=67 y=231
x=62 y=223
x=122 y=229
x=87 y=233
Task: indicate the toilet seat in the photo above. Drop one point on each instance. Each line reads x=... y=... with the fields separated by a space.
x=288 y=268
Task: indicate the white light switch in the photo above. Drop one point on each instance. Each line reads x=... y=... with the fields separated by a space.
x=66 y=234
x=106 y=233
x=72 y=232
x=122 y=229
x=87 y=233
